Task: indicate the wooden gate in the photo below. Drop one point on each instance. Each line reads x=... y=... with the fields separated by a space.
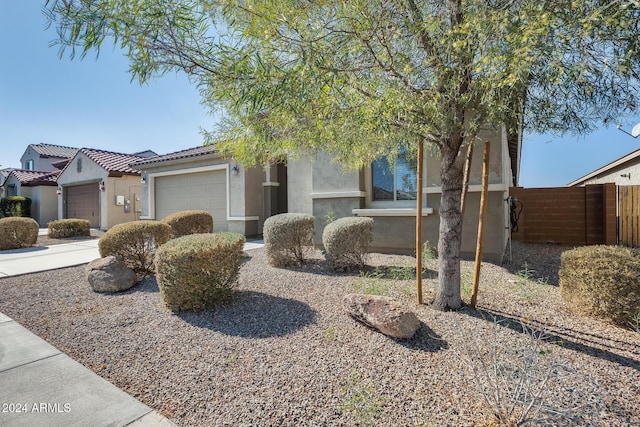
x=629 y=215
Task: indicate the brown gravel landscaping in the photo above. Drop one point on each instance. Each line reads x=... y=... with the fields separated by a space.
x=282 y=352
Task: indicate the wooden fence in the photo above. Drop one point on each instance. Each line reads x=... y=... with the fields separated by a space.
x=629 y=215
x=574 y=216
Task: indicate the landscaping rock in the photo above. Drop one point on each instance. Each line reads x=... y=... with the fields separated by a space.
x=110 y=274
x=382 y=313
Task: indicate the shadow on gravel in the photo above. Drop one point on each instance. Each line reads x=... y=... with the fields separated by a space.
x=254 y=315
x=581 y=341
x=425 y=340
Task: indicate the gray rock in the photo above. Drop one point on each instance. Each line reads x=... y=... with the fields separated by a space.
x=382 y=313
x=109 y=274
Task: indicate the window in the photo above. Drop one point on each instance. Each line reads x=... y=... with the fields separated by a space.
x=28 y=165
x=393 y=181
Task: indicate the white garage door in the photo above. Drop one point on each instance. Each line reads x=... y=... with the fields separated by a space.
x=202 y=190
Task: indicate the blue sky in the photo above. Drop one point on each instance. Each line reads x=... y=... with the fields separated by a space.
x=93 y=103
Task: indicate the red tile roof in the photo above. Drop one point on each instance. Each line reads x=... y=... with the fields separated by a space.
x=113 y=162
x=50 y=150
x=31 y=178
x=183 y=154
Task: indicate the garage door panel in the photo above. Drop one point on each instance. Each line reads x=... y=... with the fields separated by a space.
x=83 y=201
x=202 y=190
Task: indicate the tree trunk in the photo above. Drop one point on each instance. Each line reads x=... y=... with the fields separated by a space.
x=450 y=233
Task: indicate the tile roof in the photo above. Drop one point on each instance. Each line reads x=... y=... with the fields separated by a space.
x=183 y=154
x=50 y=150
x=113 y=162
x=31 y=178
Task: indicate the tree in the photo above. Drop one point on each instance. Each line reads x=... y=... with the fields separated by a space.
x=365 y=78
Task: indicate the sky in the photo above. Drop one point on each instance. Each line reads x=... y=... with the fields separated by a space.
x=93 y=103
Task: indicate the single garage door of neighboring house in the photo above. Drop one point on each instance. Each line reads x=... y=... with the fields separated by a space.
x=83 y=201
x=201 y=190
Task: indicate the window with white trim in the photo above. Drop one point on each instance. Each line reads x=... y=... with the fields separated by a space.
x=394 y=181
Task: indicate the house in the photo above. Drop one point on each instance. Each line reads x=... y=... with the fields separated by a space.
x=100 y=186
x=4 y=173
x=386 y=191
x=622 y=171
x=40 y=187
x=42 y=157
x=238 y=198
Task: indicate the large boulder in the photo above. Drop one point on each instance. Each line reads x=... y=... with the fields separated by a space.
x=382 y=313
x=109 y=274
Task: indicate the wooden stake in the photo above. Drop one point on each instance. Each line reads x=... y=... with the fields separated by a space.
x=483 y=209
x=465 y=179
x=419 y=224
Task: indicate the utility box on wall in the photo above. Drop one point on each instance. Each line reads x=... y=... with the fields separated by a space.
x=119 y=200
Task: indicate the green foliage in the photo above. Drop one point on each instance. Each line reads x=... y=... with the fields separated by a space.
x=602 y=281
x=346 y=242
x=196 y=271
x=68 y=228
x=287 y=237
x=371 y=283
x=329 y=217
x=362 y=400
x=18 y=232
x=189 y=222
x=17 y=206
x=634 y=321
x=135 y=243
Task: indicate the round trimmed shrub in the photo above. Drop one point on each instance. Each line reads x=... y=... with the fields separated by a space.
x=196 y=271
x=18 y=232
x=135 y=243
x=602 y=281
x=189 y=222
x=68 y=228
x=286 y=238
x=346 y=242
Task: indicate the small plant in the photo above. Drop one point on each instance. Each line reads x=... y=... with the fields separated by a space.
x=189 y=222
x=69 y=227
x=428 y=254
x=466 y=283
x=329 y=217
x=18 y=232
x=232 y=359
x=330 y=333
x=634 y=321
x=371 y=283
x=287 y=238
x=402 y=273
x=361 y=400
x=525 y=283
x=346 y=242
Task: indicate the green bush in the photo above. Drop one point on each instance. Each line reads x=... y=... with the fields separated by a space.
x=602 y=281
x=196 y=271
x=189 y=222
x=17 y=232
x=286 y=237
x=135 y=243
x=69 y=227
x=346 y=242
x=15 y=206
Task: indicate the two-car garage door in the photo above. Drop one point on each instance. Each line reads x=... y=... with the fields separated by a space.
x=200 y=190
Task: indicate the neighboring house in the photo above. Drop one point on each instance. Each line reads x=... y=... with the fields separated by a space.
x=622 y=171
x=4 y=173
x=387 y=193
x=40 y=187
x=100 y=186
x=42 y=157
x=239 y=199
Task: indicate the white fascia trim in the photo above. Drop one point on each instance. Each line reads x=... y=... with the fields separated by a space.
x=391 y=212
x=271 y=184
x=474 y=188
x=338 y=194
x=618 y=162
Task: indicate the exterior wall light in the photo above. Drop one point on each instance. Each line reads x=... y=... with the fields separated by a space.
x=143 y=178
x=101 y=185
x=235 y=169
x=59 y=191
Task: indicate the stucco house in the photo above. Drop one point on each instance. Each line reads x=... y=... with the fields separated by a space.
x=622 y=171
x=100 y=186
x=42 y=157
x=40 y=187
x=387 y=193
x=4 y=173
x=238 y=198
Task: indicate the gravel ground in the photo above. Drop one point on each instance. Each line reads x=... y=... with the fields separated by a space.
x=282 y=353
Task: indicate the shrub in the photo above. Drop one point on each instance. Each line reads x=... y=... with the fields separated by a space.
x=346 y=242
x=602 y=281
x=68 y=228
x=286 y=237
x=196 y=271
x=189 y=222
x=135 y=243
x=15 y=206
x=17 y=232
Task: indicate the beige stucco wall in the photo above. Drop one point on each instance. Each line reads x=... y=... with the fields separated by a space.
x=614 y=175
x=319 y=186
x=128 y=186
